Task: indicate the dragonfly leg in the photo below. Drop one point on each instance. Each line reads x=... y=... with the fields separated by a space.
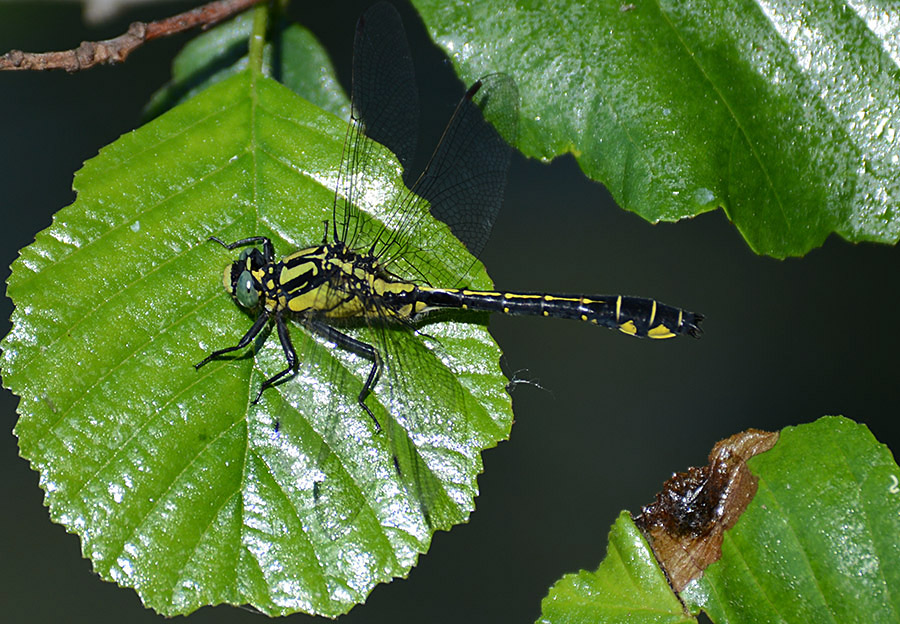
x=250 y=335
x=357 y=346
x=290 y=357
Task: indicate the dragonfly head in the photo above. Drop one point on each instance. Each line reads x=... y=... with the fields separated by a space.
x=241 y=281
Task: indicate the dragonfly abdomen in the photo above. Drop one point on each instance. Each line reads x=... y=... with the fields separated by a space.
x=635 y=316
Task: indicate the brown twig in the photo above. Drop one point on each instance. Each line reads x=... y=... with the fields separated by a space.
x=116 y=50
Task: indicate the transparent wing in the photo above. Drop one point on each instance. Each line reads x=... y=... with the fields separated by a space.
x=419 y=470
x=463 y=182
x=384 y=108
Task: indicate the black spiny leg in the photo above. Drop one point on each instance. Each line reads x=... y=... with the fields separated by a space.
x=357 y=346
x=250 y=335
x=289 y=355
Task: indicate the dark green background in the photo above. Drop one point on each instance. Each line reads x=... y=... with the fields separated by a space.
x=786 y=342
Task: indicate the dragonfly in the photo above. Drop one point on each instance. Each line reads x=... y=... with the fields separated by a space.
x=380 y=271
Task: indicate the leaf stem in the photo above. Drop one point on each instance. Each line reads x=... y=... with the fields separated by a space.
x=258 y=38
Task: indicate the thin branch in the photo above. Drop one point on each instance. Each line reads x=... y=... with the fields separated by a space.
x=116 y=50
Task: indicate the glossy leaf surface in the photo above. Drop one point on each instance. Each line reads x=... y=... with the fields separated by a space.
x=177 y=485
x=785 y=115
x=818 y=543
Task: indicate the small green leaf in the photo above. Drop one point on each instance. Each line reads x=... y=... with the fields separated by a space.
x=303 y=65
x=784 y=116
x=627 y=587
x=176 y=484
x=818 y=543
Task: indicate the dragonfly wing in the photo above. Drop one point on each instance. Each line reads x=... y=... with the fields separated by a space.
x=384 y=108
x=463 y=183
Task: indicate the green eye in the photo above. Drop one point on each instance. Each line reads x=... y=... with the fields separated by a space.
x=245 y=292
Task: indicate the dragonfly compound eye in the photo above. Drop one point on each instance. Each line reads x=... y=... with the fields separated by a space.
x=245 y=292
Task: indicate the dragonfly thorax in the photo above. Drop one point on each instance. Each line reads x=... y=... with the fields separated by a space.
x=328 y=280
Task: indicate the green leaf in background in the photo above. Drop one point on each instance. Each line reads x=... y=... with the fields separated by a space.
x=303 y=66
x=176 y=484
x=821 y=540
x=628 y=586
x=818 y=543
x=786 y=116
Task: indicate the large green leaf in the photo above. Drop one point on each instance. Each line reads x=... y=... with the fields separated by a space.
x=786 y=116
x=177 y=485
x=818 y=543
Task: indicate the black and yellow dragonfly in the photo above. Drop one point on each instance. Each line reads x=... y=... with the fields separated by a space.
x=373 y=270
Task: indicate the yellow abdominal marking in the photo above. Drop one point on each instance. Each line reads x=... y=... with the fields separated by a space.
x=660 y=331
x=554 y=298
x=521 y=296
x=481 y=293
x=628 y=327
